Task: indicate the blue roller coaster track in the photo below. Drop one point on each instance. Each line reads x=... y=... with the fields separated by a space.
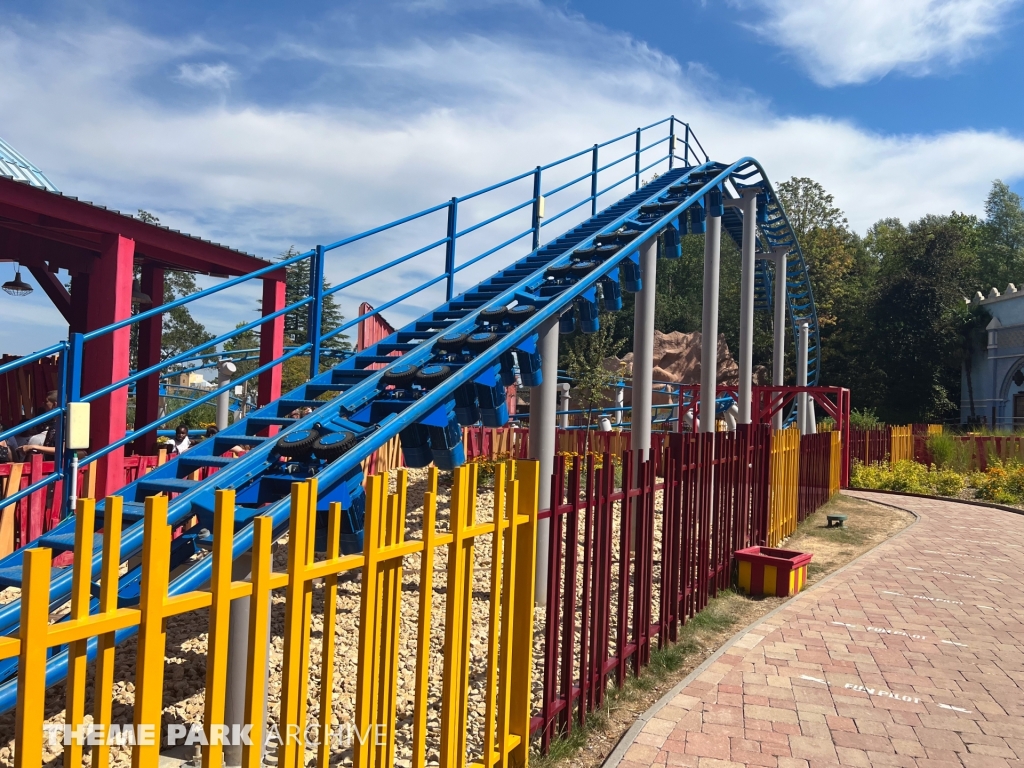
x=444 y=369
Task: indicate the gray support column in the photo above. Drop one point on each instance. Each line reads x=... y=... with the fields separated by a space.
x=643 y=351
x=224 y=372
x=779 y=349
x=543 y=406
x=746 y=361
x=563 y=391
x=709 y=322
x=803 y=401
x=238 y=657
x=620 y=401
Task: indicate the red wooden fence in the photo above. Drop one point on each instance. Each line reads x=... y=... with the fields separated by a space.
x=609 y=602
x=815 y=473
x=870 y=445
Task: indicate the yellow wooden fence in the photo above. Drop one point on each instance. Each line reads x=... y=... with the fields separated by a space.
x=835 y=464
x=784 y=484
x=902 y=444
x=511 y=530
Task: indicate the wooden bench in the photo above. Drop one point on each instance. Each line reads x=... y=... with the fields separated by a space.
x=835 y=520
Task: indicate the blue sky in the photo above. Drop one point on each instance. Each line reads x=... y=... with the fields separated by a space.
x=265 y=125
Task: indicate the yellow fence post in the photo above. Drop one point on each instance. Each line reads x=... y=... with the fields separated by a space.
x=81 y=581
x=291 y=751
x=103 y=684
x=328 y=643
x=502 y=520
x=365 y=681
x=35 y=614
x=149 y=671
x=521 y=616
x=419 y=728
x=508 y=605
x=784 y=485
x=259 y=621
x=219 y=617
x=835 y=464
x=452 y=692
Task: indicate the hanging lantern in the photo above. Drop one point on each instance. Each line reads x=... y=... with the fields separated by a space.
x=138 y=297
x=17 y=286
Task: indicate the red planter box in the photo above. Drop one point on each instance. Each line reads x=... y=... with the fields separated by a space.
x=770 y=571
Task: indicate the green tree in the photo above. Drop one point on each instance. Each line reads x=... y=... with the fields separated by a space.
x=583 y=359
x=832 y=254
x=1001 y=249
x=973 y=321
x=181 y=332
x=924 y=271
x=296 y=323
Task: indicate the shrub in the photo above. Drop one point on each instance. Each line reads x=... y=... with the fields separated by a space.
x=1002 y=483
x=950 y=452
x=907 y=477
x=949 y=483
x=865 y=419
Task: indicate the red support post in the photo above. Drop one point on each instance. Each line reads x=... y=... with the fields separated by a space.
x=271 y=341
x=109 y=301
x=147 y=391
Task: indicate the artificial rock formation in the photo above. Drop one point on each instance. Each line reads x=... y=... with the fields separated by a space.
x=677 y=359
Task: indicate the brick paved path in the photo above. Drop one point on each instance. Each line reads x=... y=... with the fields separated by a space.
x=912 y=656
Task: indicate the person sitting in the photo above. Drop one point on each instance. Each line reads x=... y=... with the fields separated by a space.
x=44 y=441
x=181 y=442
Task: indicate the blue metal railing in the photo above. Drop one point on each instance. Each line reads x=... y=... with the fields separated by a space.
x=647 y=151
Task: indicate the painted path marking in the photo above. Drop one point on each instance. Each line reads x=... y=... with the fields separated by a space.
x=886 y=631
x=884 y=693
x=966 y=556
x=881 y=630
x=925 y=597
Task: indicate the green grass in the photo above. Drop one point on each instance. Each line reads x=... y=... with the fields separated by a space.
x=721 y=614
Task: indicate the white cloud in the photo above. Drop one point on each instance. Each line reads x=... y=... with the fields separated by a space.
x=215 y=76
x=261 y=178
x=852 y=41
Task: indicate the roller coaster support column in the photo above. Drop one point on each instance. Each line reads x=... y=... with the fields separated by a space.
x=749 y=204
x=271 y=338
x=643 y=351
x=147 y=391
x=709 y=321
x=563 y=420
x=238 y=657
x=779 y=327
x=543 y=418
x=804 y=418
x=109 y=301
x=224 y=371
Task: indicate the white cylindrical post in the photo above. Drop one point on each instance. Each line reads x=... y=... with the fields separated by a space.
x=563 y=390
x=803 y=401
x=709 y=321
x=225 y=370
x=746 y=361
x=620 y=402
x=543 y=405
x=643 y=351
x=779 y=349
